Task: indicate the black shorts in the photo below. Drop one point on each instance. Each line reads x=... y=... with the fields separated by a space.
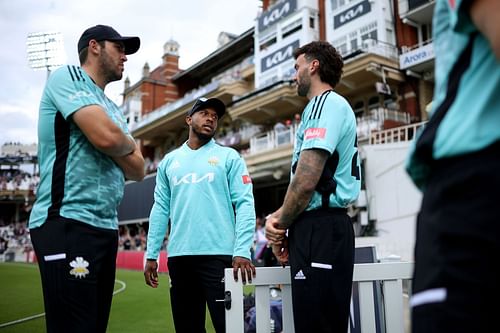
x=77 y=266
x=321 y=245
x=197 y=282
x=456 y=281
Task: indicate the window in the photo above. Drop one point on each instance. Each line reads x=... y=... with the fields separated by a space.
x=311 y=22
x=291 y=28
x=353 y=37
x=342 y=48
x=359 y=108
x=370 y=35
x=373 y=102
x=266 y=42
x=338 y=3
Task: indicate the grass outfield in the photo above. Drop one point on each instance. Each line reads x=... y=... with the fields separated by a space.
x=138 y=308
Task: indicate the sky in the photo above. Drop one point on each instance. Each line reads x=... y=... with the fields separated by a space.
x=194 y=24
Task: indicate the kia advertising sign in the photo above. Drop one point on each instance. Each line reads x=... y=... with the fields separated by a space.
x=278 y=56
x=351 y=14
x=276 y=13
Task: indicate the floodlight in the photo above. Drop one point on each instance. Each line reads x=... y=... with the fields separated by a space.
x=45 y=50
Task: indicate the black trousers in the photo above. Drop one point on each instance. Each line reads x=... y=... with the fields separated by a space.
x=77 y=267
x=456 y=284
x=197 y=282
x=321 y=256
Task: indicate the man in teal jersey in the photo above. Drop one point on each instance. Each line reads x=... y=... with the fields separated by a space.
x=325 y=179
x=85 y=153
x=204 y=191
x=456 y=161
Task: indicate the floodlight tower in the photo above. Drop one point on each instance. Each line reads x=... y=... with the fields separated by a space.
x=45 y=50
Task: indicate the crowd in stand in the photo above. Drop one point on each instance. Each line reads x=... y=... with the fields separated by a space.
x=14 y=236
x=18 y=181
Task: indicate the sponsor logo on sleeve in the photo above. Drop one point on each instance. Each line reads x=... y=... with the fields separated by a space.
x=79 y=94
x=315 y=133
x=246 y=179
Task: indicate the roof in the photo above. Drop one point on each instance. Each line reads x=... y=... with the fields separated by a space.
x=220 y=59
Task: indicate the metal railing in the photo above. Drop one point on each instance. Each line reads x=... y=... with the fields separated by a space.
x=389 y=275
x=366 y=125
x=397 y=134
x=272 y=139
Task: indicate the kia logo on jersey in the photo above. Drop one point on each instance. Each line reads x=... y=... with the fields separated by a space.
x=193 y=178
x=246 y=179
x=315 y=133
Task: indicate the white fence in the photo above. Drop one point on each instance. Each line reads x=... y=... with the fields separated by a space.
x=390 y=275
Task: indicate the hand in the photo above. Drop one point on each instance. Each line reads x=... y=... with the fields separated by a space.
x=151 y=273
x=246 y=267
x=281 y=252
x=274 y=234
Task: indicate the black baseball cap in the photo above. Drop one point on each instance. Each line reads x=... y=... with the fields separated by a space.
x=103 y=32
x=204 y=103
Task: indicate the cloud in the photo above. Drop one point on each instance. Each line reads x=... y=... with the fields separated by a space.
x=194 y=24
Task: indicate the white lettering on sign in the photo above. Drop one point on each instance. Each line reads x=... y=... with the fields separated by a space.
x=276 y=14
x=416 y=56
x=193 y=178
x=351 y=13
x=279 y=57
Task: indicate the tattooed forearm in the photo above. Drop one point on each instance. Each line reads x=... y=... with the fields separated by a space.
x=300 y=190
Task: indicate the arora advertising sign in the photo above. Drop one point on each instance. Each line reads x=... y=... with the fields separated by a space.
x=417 y=56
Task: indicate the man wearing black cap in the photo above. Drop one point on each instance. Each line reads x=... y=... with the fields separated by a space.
x=85 y=153
x=204 y=191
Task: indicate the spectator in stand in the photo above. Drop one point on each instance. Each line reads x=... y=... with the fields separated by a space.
x=260 y=239
x=279 y=126
x=296 y=119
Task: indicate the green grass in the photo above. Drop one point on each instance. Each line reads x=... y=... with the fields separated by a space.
x=137 y=309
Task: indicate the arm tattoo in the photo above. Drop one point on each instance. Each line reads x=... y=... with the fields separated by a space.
x=300 y=190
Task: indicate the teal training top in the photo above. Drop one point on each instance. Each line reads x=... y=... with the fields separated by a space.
x=76 y=180
x=466 y=107
x=328 y=123
x=207 y=195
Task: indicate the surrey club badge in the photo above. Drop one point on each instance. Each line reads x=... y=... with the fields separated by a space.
x=79 y=267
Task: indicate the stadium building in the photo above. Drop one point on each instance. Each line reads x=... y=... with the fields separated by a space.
x=388 y=79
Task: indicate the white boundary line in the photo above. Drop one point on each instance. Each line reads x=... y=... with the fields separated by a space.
x=22 y=320
x=123 y=287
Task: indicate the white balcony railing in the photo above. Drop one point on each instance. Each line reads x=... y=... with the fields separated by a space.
x=272 y=139
x=389 y=275
x=371 y=46
x=397 y=134
x=374 y=121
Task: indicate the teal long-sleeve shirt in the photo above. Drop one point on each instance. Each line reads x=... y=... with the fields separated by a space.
x=207 y=196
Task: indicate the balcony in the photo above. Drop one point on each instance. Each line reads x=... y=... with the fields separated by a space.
x=377 y=120
x=398 y=134
x=418 y=11
x=240 y=137
x=272 y=140
x=373 y=62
